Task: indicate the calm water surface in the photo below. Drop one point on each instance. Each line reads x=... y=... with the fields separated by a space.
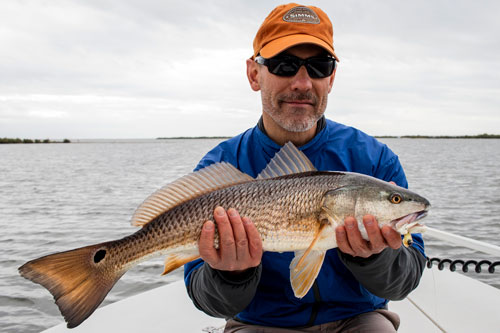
x=55 y=197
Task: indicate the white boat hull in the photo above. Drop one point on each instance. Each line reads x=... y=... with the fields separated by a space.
x=444 y=301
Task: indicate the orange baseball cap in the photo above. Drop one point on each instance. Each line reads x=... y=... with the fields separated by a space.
x=290 y=25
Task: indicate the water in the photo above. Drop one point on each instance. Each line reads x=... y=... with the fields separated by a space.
x=55 y=197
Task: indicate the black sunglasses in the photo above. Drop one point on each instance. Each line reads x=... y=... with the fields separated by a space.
x=289 y=65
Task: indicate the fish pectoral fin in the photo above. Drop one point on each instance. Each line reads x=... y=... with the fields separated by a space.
x=177 y=259
x=304 y=269
x=311 y=246
x=305 y=266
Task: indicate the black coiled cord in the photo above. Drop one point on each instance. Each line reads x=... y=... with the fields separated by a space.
x=465 y=264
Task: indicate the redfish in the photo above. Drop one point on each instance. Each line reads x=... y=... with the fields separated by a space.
x=294 y=207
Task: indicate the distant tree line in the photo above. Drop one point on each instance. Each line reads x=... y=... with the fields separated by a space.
x=18 y=140
x=193 y=137
x=479 y=136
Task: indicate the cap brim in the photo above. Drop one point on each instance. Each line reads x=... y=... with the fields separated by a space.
x=281 y=44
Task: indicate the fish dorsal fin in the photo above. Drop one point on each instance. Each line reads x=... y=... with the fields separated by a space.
x=287 y=161
x=213 y=177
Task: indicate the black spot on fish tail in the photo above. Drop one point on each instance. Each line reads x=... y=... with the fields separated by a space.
x=99 y=255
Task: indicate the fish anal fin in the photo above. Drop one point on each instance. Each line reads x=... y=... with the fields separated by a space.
x=304 y=269
x=176 y=260
x=288 y=160
x=211 y=178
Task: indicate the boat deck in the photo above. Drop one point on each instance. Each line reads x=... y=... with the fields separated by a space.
x=443 y=302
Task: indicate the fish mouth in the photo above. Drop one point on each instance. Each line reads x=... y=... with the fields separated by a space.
x=409 y=223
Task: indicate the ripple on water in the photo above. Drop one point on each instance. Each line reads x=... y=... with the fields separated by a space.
x=15 y=301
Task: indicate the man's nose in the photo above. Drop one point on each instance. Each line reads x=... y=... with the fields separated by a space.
x=301 y=81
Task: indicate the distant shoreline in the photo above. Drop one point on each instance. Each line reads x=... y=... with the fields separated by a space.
x=35 y=141
x=479 y=136
x=193 y=137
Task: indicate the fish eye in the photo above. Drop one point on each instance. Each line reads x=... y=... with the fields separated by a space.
x=396 y=198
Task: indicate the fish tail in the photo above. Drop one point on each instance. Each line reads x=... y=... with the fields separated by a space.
x=78 y=279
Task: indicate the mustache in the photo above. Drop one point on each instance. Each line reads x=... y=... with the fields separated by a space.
x=308 y=96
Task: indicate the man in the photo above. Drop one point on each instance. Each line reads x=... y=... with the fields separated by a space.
x=293 y=66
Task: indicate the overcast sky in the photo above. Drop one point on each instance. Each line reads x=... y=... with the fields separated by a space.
x=146 y=69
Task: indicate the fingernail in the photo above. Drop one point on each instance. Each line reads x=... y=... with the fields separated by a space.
x=368 y=221
x=349 y=224
x=209 y=226
x=232 y=212
x=219 y=211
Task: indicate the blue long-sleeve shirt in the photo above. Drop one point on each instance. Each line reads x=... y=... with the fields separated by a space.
x=346 y=286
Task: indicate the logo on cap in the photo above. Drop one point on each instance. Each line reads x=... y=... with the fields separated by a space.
x=301 y=15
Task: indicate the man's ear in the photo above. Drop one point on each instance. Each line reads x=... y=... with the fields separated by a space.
x=253 y=74
x=332 y=78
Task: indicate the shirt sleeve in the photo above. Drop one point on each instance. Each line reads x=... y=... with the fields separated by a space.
x=391 y=274
x=221 y=295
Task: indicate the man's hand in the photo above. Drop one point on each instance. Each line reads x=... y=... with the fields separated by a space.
x=240 y=245
x=349 y=238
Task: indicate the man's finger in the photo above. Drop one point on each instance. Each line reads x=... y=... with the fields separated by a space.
x=356 y=241
x=377 y=241
x=254 y=241
x=392 y=237
x=240 y=236
x=206 y=244
x=226 y=238
x=342 y=241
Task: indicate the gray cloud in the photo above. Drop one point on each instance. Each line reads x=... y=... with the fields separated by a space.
x=167 y=68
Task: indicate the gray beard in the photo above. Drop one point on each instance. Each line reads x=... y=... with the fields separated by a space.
x=293 y=126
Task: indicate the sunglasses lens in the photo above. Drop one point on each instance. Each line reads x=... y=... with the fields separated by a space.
x=284 y=66
x=320 y=67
